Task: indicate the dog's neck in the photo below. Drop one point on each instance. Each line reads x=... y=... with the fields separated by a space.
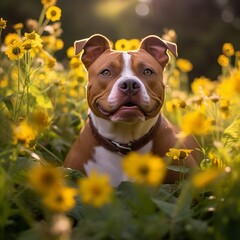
x=122 y=132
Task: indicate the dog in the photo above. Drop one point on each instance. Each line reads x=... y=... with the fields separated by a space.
x=125 y=94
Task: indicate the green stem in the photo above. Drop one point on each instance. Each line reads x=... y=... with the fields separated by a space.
x=0 y=39
x=182 y=207
x=40 y=31
x=17 y=104
x=27 y=101
x=28 y=66
x=50 y=153
x=41 y=18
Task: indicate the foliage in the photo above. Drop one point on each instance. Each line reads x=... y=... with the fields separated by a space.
x=42 y=109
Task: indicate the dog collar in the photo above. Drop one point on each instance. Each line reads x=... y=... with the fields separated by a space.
x=124 y=148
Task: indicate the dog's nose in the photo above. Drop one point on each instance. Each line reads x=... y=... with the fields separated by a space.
x=129 y=86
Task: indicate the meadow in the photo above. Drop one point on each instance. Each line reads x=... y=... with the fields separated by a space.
x=42 y=109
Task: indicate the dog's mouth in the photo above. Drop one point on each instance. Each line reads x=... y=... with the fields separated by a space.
x=126 y=111
x=129 y=105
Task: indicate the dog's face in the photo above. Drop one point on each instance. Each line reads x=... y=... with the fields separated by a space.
x=125 y=86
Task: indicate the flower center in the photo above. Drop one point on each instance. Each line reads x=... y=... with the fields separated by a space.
x=53 y=13
x=144 y=170
x=32 y=36
x=182 y=155
x=47 y=179
x=59 y=199
x=28 y=46
x=16 y=50
x=96 y=191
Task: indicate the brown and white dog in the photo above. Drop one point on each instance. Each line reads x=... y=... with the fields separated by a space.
x=125 y=94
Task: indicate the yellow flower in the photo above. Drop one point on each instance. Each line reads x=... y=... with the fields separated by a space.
x=23 y=133
x=51 y=43
x=45 y=179
x=216 y=161
x=214 y=98
x=235 y=81
x=196 y=123
x=122 y=45
x=75 y=63
x=34 y=38
x=48 y=41
x=70 y=52
x=51 y=62
x=15 y=51
x=205 y=178
x=10 y=38
x=223 y=60
x=184 y=65
x=174 y=80
x=73 y=93
x=182 y=104
x=237 y=54
x=178 y=154
x=59 y=44
x=170 y=106
x=4 y=82
x=61 y=199
x=95 y=190
x=224 y=104
x=74 y=83
x=3 y=23
x=175 y=103
x=62 y=99
x=27 y=44
x=228 y=49
x=53 y=13
x=48 y=3
x=134 y=44
x=18 y=26
x=230 y=86
x=203 y=86
x=224 y=107
x=225 y=89
x=39 y=119
x=144 y=169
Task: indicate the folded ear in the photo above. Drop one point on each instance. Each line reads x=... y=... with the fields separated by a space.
x=93 y=47
x=158 y=47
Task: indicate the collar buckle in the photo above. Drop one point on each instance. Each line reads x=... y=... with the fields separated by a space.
x=126 y=147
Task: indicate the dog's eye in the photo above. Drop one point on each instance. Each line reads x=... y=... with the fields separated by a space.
x=147 y=72
x=106 y=72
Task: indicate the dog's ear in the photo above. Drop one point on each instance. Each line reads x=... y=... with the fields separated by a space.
x=158 y=47
x=93 y=47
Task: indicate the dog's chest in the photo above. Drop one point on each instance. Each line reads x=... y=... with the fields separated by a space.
x=110 y=163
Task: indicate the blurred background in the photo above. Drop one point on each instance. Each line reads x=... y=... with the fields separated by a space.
x=201 y=26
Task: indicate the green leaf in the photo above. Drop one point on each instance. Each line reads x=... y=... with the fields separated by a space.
x=182 y=208
x=165 y=207
x=41 y=99
x=8 y=102
x=206 y=164
x=77 y=213
x=176 y=168
x=136 y=198
x=231 y=135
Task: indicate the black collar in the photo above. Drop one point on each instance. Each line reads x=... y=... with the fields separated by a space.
x=124 y=148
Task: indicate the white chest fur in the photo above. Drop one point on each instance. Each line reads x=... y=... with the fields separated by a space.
x=110 y=163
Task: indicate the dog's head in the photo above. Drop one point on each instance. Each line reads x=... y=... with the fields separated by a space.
x=125 y=86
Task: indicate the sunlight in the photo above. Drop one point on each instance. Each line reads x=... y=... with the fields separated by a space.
x=112 y=8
